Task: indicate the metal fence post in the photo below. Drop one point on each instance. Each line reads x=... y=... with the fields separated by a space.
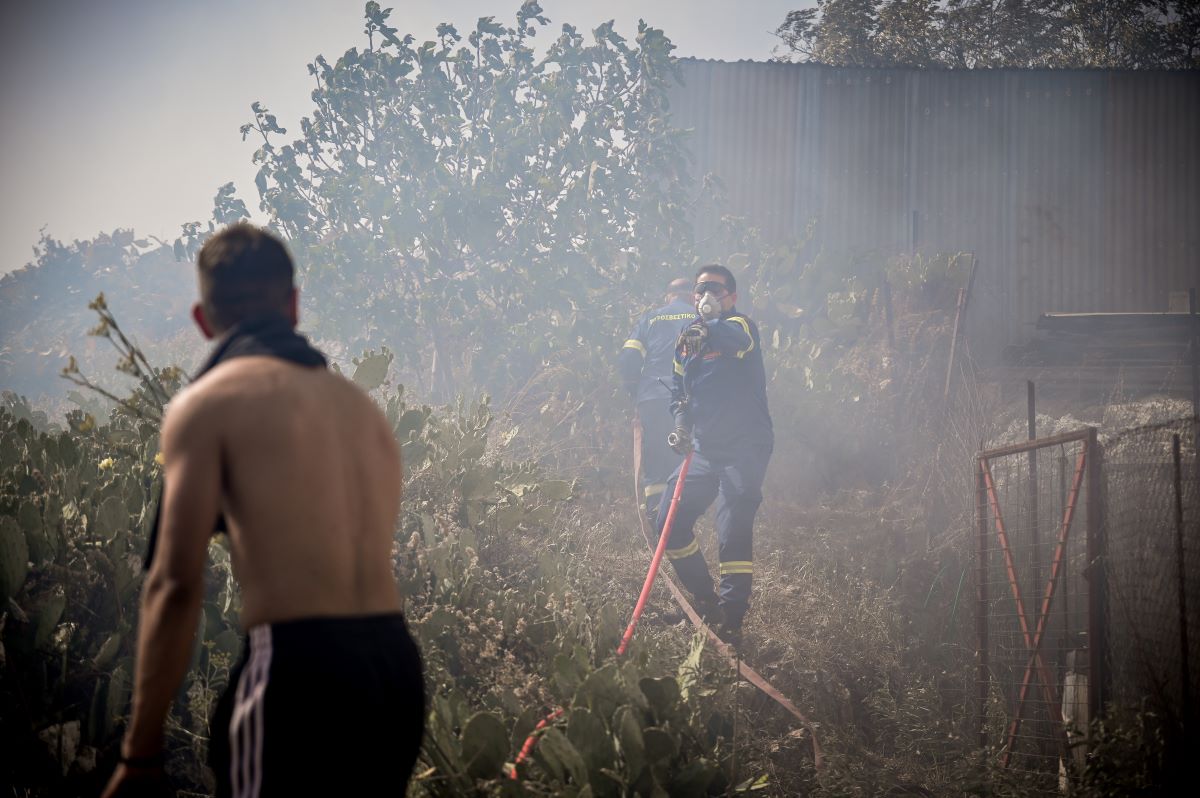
x=981 y=624
x=1195 y=347
x=1035 y=543
x=1097 y=580
x=1184 y=670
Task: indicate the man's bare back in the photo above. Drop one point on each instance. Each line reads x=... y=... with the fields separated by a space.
x=310 y=489
x=328 y=697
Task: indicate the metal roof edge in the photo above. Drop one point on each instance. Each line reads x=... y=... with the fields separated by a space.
x=1195 y=73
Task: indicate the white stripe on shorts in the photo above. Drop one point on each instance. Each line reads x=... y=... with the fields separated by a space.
x=246 y=725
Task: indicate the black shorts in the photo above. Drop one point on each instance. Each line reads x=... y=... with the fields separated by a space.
x=322 y=706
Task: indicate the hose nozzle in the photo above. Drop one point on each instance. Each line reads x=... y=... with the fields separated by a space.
x=680 y=440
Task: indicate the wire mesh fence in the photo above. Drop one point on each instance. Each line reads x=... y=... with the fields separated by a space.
x=1152 y=570
x=1035 y=506
x=1088 y=579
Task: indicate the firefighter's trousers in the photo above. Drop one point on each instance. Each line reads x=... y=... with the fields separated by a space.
x=736 y=484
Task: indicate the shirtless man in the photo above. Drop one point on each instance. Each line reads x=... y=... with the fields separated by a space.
x=303 y=470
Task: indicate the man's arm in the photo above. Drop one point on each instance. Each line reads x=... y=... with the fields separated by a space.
x=730 y=336
x=174 y=587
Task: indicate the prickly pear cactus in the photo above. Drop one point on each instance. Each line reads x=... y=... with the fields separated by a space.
x=42 y=546
x=14 y=558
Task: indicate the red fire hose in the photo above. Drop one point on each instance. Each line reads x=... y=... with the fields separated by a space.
x=658 y=555
x=532 y=739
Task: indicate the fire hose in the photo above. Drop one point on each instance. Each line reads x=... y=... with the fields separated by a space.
x=531 y=740
x=731 y=655
x=727 y=651
x=656 y=560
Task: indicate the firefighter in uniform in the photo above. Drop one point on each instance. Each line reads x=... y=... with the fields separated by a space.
x=646 y=366
x=720 y=406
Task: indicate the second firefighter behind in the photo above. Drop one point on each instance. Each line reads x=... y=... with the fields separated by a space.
x=720 y=406
x=646 y=366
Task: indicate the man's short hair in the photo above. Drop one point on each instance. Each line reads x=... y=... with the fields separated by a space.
x=716 y=268
x=245 y=273
x=679 y=285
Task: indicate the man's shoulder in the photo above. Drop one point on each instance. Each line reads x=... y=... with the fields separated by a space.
x=253 y=379
x=738 y=314
x=197 y=408
x=743 y=319
x=228 y=381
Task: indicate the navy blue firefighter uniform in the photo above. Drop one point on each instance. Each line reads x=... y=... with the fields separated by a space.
x=723 y=393
x=646 y=364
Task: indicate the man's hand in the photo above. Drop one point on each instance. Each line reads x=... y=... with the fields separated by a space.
x=680 y=440
x=693 y=338
x=138 y=782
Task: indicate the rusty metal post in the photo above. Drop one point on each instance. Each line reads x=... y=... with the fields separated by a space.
x=1097 y=573
x=1065 y=646
x=981 y=607
x=1184 y=671
x=1035 y=547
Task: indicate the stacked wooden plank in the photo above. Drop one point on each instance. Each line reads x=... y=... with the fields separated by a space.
x=1101 y=353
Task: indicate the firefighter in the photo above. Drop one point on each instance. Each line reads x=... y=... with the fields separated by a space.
x=645 y=364
x=720 y=407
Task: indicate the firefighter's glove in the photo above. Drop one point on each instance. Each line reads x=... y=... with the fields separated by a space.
x=680 y=440
x=693 y=339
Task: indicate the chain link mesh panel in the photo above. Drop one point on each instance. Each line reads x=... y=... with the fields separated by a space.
x=1032 y=555
x=1152 y=605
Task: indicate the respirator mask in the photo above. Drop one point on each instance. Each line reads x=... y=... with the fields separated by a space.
x=709 y=304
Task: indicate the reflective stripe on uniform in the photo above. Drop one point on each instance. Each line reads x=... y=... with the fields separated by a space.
x=745 y=326
x=737 y=567
x=634 y=343
x=678 y=368
x=686 y=551
x=654 y=490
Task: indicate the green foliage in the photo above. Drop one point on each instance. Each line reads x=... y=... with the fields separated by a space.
x=500 y=635
x=473 y=204
x=504 y=636
x=75 y=507
x=14 y=558
x=1133 y=753
x=1127 y=34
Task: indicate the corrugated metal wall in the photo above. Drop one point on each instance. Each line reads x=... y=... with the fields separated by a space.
x=1079 y=190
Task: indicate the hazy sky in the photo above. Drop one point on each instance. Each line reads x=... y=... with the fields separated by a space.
x=125 y=113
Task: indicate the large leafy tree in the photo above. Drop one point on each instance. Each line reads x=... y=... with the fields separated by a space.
x=476 y=204
x=1122 y=34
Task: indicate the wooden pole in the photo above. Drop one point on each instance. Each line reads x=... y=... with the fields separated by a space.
x=962 y=293
x=960 y=312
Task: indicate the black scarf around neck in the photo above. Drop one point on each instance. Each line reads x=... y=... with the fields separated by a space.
x=272 y=337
